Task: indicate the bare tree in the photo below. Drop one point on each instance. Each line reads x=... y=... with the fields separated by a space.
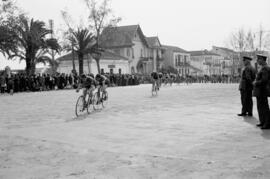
x=250 y=41
x=238 y=40
x=250 y=38
x=68 y=20
x=263 y=39
x=100 y=17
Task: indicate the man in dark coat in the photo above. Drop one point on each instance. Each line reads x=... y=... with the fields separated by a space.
x=247 y=77
x=260 y=91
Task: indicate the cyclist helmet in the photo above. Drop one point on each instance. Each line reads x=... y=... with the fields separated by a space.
x=92 y=75
x=98 y=76
x=83 y=76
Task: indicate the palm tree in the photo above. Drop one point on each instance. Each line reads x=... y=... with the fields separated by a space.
x=30 y=38
x=83 y=43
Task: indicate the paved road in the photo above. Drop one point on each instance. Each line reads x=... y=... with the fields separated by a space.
x=185 y=132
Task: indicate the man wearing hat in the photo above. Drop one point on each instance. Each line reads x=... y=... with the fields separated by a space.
x=247 y=77
x=260 y=92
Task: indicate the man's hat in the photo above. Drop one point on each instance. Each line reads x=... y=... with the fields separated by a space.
x=247 y=58
x=262 y=57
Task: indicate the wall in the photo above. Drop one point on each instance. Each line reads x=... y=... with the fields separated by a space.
x=138 y=46
x=66 y=66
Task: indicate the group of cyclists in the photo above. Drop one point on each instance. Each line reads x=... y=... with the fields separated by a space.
x=157 y=78
x=89 y=83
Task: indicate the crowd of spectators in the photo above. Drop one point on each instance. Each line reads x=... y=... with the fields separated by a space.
x=15 y=83
x=21 y=82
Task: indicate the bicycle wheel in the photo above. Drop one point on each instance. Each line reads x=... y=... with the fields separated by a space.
x=90 y=104
x=154 y=91
x=96 y=102
x=79 y=108
x=104 y=99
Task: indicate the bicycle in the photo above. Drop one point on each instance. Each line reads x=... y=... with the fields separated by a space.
x=82 y=107
x=100 y=100
x=155 y=89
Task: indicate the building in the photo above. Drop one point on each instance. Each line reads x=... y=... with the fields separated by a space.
x=233 y=59
x=231 y=63
x=207 y=62
x=155 y=52
x=109 y=63
x=179 y=59
x=143 y=54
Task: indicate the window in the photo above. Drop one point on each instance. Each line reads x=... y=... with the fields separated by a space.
x=128 y=52
x=132 y=51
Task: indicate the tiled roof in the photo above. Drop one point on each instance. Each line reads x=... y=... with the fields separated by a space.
x=122 y=36
x=174 y=48
x=106 y=55
x=151 y=41
x=202 y=52
x=225 y=49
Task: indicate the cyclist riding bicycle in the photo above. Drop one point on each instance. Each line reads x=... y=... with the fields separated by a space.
x=155 y=78
x=160 y=77
x=102 y=82
x=88 y=84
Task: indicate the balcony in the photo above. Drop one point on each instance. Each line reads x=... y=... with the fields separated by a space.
x=182 y=64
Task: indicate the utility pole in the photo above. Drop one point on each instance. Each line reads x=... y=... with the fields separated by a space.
x=53 y=66
x=52 y=35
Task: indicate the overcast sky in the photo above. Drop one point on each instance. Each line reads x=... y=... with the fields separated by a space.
x=188 y=24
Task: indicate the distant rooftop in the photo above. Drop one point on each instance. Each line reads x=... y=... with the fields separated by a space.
x=121 y=36
x=174 y=48
x=202 y=52
x=151 y=41
x=107 y=55
x=225 y=49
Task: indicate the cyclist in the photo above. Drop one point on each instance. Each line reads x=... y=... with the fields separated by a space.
x=166 y=78
x=88 y=84
x=154 y=79
x=102 y=82
x=160 y=77
x=172 y=78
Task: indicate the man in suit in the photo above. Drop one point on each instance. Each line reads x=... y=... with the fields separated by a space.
x=261 y=93
x=247 y=77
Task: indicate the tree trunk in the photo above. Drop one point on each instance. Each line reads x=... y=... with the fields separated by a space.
x=73 y=61
x=98 y=65
x=28 y=66
x=33 y=68
x=80 y=57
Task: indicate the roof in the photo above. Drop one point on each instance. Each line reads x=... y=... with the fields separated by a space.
x=106 y=55
x=122 y=36
x=151 y=41
x=225 y=49
x=174 y=48
x=195 y=69
x=202 y=53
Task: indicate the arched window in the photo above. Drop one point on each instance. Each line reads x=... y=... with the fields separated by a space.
x=132 y=70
